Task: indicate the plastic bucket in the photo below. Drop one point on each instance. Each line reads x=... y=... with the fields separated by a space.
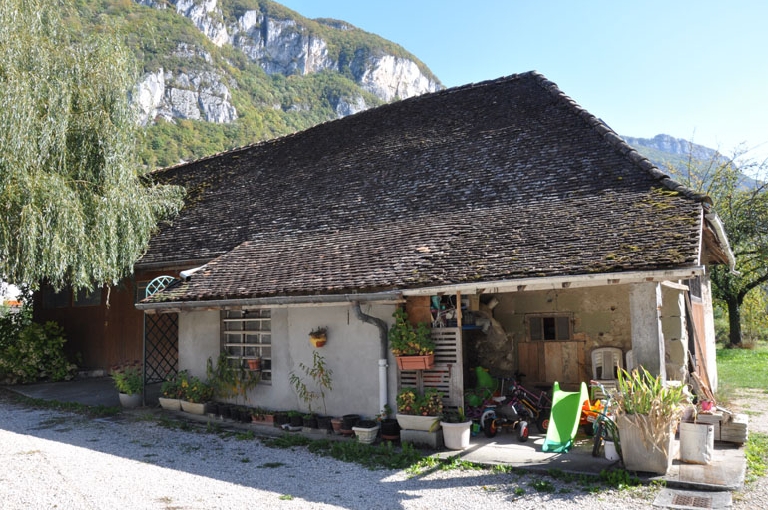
x=697 y=440
x=610 y=451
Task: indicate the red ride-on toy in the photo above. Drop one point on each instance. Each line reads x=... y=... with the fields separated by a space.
x=504 y=416
x=589 y=413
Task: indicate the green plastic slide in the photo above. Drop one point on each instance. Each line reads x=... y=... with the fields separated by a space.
x=564 y=421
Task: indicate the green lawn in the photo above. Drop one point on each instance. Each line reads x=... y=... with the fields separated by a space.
x=747 y=368
x=743 y=368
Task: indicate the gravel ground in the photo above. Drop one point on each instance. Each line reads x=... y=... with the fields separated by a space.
x=53 y=459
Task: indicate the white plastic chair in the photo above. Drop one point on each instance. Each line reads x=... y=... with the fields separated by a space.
x=606 y=362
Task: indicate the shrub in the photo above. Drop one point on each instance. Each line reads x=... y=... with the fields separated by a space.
x=37 y=353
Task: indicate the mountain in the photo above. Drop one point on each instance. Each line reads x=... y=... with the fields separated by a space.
x=665 y=150
x=673 y=155
x=217 y=74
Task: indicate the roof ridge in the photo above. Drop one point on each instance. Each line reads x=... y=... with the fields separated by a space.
x=280 y=139
x=613 y=138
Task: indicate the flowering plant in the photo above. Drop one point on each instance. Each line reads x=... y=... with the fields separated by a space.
x=171 y=387
x=407 y=340
x=128 y=377
x=428 y=404
x=194 y=389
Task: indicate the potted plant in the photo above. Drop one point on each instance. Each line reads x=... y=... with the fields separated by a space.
x=412 y=346
x=261 y=415
x=456 y=429
x=366 y=431
x=419 y=412
x=194 y=394
x=647 y=412
x=170 y=393
x=321 y=377
x=129 y=381
x=390 y=429
x=230 y=379
x=318 y=336
x=295 y=421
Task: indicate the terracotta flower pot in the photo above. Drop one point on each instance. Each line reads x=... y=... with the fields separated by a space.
x=415 y=362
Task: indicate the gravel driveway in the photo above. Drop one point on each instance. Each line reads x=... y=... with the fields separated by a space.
x=53 y=459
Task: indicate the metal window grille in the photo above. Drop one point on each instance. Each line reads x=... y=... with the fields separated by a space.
x=247 y=335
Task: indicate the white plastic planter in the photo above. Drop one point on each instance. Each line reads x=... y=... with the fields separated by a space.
x=456 y=435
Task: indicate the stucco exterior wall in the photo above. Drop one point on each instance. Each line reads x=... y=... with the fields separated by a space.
x=601 y=315
x=352 y=353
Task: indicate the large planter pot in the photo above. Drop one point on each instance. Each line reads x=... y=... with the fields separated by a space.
x=130 y=400
x=642 y=453
x=390 y=429
x=456 y=435
x=170 y=404
x=349 y=421
x=192 y=407
x=324 y=423
x=415 y=362
x=309 y=421
x=366 y=431
x=697 y=441
x=413 y=422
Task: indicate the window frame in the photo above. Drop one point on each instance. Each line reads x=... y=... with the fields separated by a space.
x=534 y=321
x=247 y=334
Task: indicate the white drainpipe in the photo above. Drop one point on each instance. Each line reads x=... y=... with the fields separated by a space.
x=383 y=330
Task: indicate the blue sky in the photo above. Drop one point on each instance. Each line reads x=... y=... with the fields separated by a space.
x=692 y=69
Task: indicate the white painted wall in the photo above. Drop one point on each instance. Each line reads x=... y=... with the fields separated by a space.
x=199 y=334
x=352 y=353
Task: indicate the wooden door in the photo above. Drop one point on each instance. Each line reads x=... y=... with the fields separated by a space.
x=544 y=362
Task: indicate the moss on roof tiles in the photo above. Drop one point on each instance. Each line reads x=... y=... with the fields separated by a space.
x=503 y=179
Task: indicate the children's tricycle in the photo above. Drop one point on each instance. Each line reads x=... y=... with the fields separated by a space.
x=504 y=416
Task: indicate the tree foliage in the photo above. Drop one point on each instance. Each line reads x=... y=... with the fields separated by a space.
x=76 y=210
x=741 y=203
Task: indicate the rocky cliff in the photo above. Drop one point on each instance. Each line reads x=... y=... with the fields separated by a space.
x=673 y=146
x=280 y=42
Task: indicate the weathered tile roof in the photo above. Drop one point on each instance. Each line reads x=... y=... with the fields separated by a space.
x=497 y=180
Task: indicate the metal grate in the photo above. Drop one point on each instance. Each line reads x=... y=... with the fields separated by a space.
x=161 y=339
x=684 y=500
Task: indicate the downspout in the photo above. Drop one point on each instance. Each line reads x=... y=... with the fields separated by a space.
x=383 y=330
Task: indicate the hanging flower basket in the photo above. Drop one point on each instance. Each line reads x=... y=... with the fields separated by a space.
x=425 y=362
x=317 y=337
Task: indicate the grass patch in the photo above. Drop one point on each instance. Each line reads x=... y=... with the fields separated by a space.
x=73 y=407
x=247 y=435
x=756 y=453
x=744 y=368
x=379 y=456
x=272 y=465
